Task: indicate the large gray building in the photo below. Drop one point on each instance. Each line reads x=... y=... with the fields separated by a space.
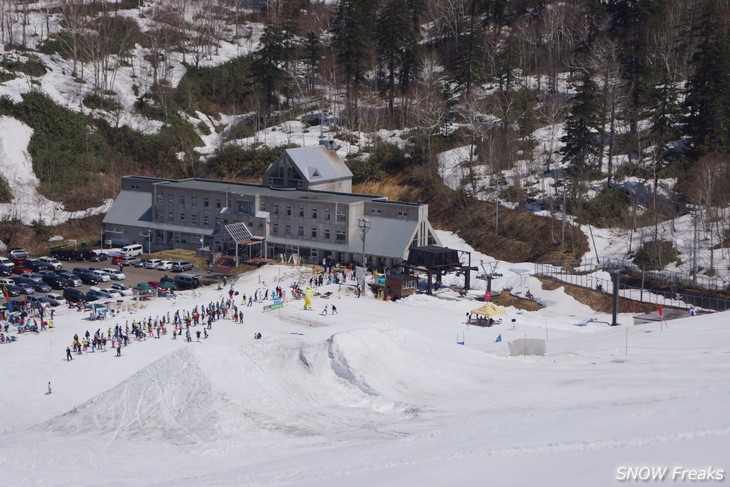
x=285 y=216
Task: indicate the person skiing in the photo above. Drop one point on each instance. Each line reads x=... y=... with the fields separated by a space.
x=119 y=350
x=68 y=355
x=49 y=388
x=334 y=310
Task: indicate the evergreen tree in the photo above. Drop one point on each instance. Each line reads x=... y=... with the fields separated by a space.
x=311 y=52
x=469 y=65
x=707 y=101
x=583 y=128
x=268 y=67
x=352 y=30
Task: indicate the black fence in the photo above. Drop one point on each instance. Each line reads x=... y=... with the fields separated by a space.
x=661 y=288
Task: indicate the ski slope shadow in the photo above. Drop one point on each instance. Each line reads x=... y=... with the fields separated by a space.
x=170 y=399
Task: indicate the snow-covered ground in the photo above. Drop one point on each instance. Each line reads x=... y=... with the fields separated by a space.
x=16 y=167
x=379 y=394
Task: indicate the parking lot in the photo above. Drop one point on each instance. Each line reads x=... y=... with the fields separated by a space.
x=133 y=276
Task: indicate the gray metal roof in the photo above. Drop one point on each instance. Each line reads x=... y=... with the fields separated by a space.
x=131 y=208
x=388 y=237
x=318 y=164
x=259 y=189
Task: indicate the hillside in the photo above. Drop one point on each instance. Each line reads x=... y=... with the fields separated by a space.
x=591 y=112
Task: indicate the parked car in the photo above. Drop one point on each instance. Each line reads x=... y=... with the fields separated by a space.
x=34 y=276
x=47 y=272
x=133 y=250
x=164 y=265
x=156 y=285
x=6 y=262
x=121 y=288
x=40 y=287
x=98 y=257
x=55 y=281
x=187 y=281
x=86 y=276
x=25 y=288
x=56 y=299
x=71 y=278
x=5 y=270
x=39 y=300
x=96 y=295
x=127 y=260
x=7 y=282
x=18 y=254
x=13 y=290
x=101 y=275
x=181 y=266
x=51 y=262
x=152 y=263
x=112 y=292
x=140 y=263
x=115 y=274
x=19 y=269
x=35 y=265
x=73 y=295
x=116 y=258
x=61 y=254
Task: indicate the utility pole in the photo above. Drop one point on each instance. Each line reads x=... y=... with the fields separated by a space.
x=696 y=211
x=364 y=225
x=562 y=232
x=496 y=224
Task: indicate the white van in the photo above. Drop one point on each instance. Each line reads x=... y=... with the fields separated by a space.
x=132 y=250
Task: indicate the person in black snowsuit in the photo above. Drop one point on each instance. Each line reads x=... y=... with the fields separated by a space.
x=69 y=357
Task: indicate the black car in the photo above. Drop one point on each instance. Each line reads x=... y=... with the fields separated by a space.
x=71 y=278
x=62 y=254
x=35 y=265
x=13 y=290
x=73 y=295
x=5 y=270
x=98 y=257
x=95 y=295
x=88 y=278
x=55 y=281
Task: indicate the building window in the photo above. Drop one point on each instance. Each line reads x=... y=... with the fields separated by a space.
x=327 y=233
x=287 y=230
x=169 y=199
x=402 y=212
x=409 y=284
x=170 y=218
x=340 y=235
x=314 y=254
x=314 y=213
x=243 y=206
x=205 y=202
x=263 y=206
x=341 y=216
x=375 y=211
x=301 y=211
x=275 y=229
x=314 y=232
x=327 y=214
x=300 y=231
x=205 y=220
x=276 y=208
x=159 y=215
x=217 y=221
x=217 y=201
x=160 y=198
x=194 y=200
x=182 y=217
x=288 y=210
x=194 y=219
x=182 y=199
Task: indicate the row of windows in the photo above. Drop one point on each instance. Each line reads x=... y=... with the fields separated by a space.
x=377 y=211
x=340 y=235
x=182 y=199
x=314 y=212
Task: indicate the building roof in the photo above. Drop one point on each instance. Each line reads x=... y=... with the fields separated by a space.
x=387 y=237
x=130 y=208
x=317 y=164
x=250 y=189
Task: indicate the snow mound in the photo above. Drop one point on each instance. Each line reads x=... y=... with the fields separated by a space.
x=171 y=399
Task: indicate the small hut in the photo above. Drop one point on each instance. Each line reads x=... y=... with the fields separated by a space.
x=400 y=285
x=485 y=315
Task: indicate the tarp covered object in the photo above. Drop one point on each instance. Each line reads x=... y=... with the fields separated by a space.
x=489 y=310
x=527 y=346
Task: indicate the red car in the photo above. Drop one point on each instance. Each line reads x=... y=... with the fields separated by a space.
x=156 y=285
x=117 y=258
x=19 y=269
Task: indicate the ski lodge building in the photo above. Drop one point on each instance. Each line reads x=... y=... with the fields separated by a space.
x=305 y=207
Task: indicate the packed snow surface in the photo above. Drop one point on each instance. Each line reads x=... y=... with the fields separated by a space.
x=379 y=394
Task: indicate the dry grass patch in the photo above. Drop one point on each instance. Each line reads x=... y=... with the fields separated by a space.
x=505 y=298
x=602 y=303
